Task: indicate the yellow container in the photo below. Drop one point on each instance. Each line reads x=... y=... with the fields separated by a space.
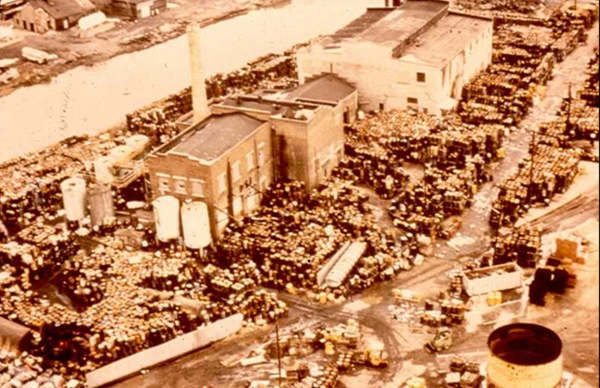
x=494 y=298
x=416 y=382
x=329 y=348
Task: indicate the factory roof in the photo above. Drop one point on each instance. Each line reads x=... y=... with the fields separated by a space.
x=59 y=9
x=214 y=136
x=287 y=109
x=325 y=87
x=396 y=26
x=411 y=26
x=446 y=39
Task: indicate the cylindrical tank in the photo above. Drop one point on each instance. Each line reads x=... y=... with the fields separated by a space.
x=73 y=192
x=524 y=355
x=137 y=143
x=166 y=217
x=101 y=202
x=102 y=169
x=196 y=226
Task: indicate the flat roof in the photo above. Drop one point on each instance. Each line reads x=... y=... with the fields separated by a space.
x=214 y=136
x=326 y=87
x=393 y=26
x=446 y=39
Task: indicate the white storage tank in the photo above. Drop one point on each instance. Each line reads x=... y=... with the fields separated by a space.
x=137 y=143
x=524 y=355
x=101 y=203
x=196 y=225
x=73 y=192
x=166 y=217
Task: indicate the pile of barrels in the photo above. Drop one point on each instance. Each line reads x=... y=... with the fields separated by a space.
x=552 y=172
x=158 y=120
x=521 y=245
x=421 y=207
x=589 y=93
x=28 y=371
x=517 y=6
x=292 y=236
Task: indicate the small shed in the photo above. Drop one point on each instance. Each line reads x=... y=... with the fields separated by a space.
x=43 y=15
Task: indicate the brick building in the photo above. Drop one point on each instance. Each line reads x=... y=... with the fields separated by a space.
x=224 y=161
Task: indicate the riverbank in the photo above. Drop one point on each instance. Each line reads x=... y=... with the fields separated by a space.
x=125 y=37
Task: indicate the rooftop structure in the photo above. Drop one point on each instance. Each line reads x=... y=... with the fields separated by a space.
x=417 y=55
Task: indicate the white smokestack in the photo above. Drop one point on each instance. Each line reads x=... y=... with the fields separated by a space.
x=199 y=102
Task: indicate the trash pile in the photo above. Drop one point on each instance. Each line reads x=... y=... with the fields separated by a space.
x=327 y=353
x=122 y=302
x=552 y=172
x=294 y=233
x=526 y=7
x=26 y=371
x=455 y=156
x=158 y=121
x=461 y=374
x=558 y=274
x=503 y=94
x=422 y=207
x=589 y=93
x=521 y=245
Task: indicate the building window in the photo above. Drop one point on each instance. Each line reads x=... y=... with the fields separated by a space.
x=65 y=24
x=250 y=161
x=412 y=100
x=197 y=187
x=235 y=171
x=164 y=183
x=261 y=154
x=180 y=185
x=420 y=77
x=221 y=183
x=381 y=106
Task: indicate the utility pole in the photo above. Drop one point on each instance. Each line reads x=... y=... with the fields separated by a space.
x=278 y=352
x=569 y=100
x=532 y=151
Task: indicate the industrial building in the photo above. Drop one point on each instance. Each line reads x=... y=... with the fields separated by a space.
x=230 y=152
x=136 y=9
x=224 y=161
x=43 y=15
x=307 y=125
x=416 y=55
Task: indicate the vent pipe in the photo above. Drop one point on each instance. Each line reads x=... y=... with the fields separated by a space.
x=199 y=100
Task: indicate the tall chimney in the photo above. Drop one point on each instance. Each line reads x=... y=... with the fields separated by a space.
x=199 y=101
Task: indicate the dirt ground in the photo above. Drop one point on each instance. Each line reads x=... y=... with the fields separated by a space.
x=75 y=51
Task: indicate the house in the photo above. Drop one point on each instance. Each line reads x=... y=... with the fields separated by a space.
x=44 y=15
x=224 y=161
x=136 y=9
x=415 y=55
